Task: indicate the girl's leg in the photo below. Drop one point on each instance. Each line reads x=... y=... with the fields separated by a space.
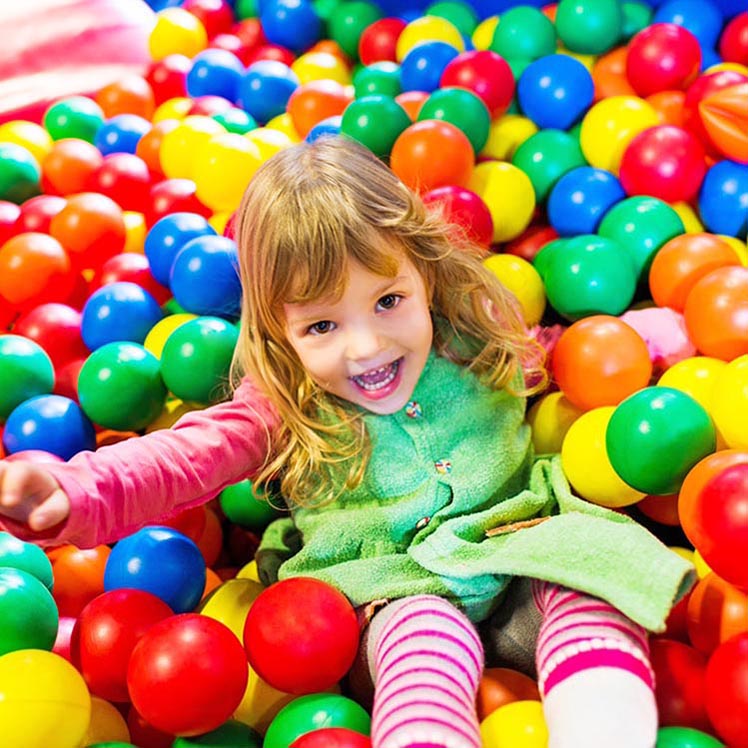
x=593 y=673
x=426 y=660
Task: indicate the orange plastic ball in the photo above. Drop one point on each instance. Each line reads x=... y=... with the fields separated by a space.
x=599 y=361
x=681 y=262
x=609 y=75
x=131 y=94
x=411 y=102
x=431 y=154
x=78 y=576
x=149 y=146
x=312 y=102
x=68 y=166
x=662 y=509
x=499 y=686
x=716 y=611
x=716 y=313
x=669 y=106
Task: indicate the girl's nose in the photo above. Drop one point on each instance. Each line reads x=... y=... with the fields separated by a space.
x=363 y=343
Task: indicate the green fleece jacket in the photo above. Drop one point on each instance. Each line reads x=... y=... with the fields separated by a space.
x=456 y=462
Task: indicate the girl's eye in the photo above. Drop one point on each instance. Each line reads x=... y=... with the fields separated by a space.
x=390 y=301
x=320 y=328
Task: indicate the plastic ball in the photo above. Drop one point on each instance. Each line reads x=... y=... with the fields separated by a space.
x=214 y=72
x=16 y=554
x=235 y=120
x=716 y=611
x=130 y=267
x=121 y=133
x=685 y=737
x=726 y=689
x=187 y=674
x=231 y=734
x=204 y=277
x=715 y=313
x=332 y=737
x=125 y=178
x=36 y=213
x=106 y=632
x=313 y=102
x=26 y=371
x=703 y=19
x=28 y=614
x=610 y=125
x=130 y=94
x=43 y=701
x=196 y=358
x=79 y=576
x=696 y=376
x=723 y=200
x=375 y=121
x=158 y=335
x=301 y=654
x=656 y=436
x=378 y=41
x=244 y=507
x=265 y=89
x=176 y=32
x=550 y=418
x=499 y=686
x=20 y=174
x=519 y=724
x=599 y=361
x=428 y=29
x=34 y=138
x=522 y=279
x=509 y=195
x=52 y=423
x=665 y=162
x=107 y=726
x=294 y=25
x=462 y=108
x=524 y=32
x=463 y=208
x=76 y=117
x=486 y=74
x=730 y=402
x=230 y=603
x=307 y=713
x=423 y=67
x=68 y=166
x=733 y=43
x=180 y=146
x=378 y=78
x=580 y=198
x=641 y=225
x=590 y=26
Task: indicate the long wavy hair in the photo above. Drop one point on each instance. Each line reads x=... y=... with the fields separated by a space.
x=307 y=212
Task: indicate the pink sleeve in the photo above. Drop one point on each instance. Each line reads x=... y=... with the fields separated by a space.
x=119 y=489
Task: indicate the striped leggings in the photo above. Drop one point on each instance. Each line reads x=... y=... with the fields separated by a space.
x=426 y=660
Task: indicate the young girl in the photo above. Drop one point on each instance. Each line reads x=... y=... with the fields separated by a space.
x=383 y=386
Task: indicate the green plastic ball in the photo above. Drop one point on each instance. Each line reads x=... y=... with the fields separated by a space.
x=231 y=734
x=74 y=117
x=17 y=554
x=546 y=156
x=243 y=506
x=25 y=371
x=524 y=31
x=313 y=712
x=196 y=359
x=236 y=120
x=685 y=737
x=460 y=15
x=378 y=78
x=348 y=21
x=655 y=436
x=542 y=259
x=28 y=613
x=245 y=9
x=589 y=275
x=636 y=16
x=641 y=225
x=115 y=744
x=589 y=27
x=376 y=122
x=120 y=386
x=20 y=174
x=461 y=108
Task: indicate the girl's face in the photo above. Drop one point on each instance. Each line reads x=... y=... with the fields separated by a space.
x=370 y=346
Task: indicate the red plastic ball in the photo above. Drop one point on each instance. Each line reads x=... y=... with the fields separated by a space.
x=679 y=684
x=465 y=209
x=378 y=41
x=332 y=737
x=661 y=57
x=64 y=633
x=68 y=165
x=57 y=329
x=485 y=73
x=105 y=635
x=168 y=77
x=733 y=44
x=174 y=196
x=269 y=51
x=132 y=267
x=301 y=635
x=125 y=178
x=187 y=674
x=665 y=162
x=9 y=213
x=216 y=15
x=207 y=106
x=717 y=611
x=727 y=690
x=142 y=733
x=249 y=31
x=531 y=241
x=37 y=213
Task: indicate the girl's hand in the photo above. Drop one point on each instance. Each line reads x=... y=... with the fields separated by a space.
x=29 y=494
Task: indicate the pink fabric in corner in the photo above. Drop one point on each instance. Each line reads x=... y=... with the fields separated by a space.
x=51 y=49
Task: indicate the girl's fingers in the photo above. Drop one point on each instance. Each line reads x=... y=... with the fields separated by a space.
x=12 y=480
x=53 y=510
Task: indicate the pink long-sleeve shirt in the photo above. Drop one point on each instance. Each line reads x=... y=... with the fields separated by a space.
x=118 y=489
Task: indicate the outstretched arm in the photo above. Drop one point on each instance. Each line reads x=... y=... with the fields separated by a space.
x=116 y=490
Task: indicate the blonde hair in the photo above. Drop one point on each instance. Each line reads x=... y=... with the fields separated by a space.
x=307 y=212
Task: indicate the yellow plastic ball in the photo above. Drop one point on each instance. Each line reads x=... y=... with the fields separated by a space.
x=734 y=66
x=585 y=462
x=230 y=603
x=249 y=571
x=223 y=166
x=738 y=245
x=44 y=701
x=519 y=724
x=34 y=138
x=484 y=32
x=269 y=141
x=730 y=403
x=218 y=221
x=173 y=410
x=177 y=108
x=157 y=336
x=521 y=278
x=506 y=134
x=691 y=221
x=260 y=703
x=135 y=231
x=283 y=123
x=696 y=376
x=107 y=725
x=587 y=60
x=702 y=568
x=428 y=29
x=314 y=66
x=550 y=418
x=177 y=31
x=685 y=553
x=610 y=125
x=509 y=195
x=181 y=145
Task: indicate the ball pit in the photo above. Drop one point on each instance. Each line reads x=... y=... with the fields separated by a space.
x=603 y=142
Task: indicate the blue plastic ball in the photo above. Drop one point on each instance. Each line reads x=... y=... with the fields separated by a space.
x=215 y=72
x=51 y=423
x=205 y=277
x=702 y=18
x=118 y=311
x=723 y=199
x=121 y=134
x=580 y=199
x=328 y=127
x=159 y=560
x=167 y=236
x=265 y=89
x=291 y=23
x=422 y=68
x=555 y=91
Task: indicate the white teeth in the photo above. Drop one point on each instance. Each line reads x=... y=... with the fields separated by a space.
x=372 y=387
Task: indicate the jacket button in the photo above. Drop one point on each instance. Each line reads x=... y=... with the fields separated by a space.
x=443 y=467
x=422 y=523
x=413 y=410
